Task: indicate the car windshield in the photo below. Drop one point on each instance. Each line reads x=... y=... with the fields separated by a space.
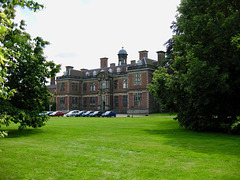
x=96 y=112
x=108 y=112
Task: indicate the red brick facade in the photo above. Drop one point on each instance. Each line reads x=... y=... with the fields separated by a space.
x=122 y=88
x=52 y=90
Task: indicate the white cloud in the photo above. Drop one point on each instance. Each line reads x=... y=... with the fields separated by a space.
x=91 y=29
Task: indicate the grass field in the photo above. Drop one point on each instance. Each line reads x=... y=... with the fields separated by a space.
x=118 y=148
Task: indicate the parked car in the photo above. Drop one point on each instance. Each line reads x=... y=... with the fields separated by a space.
x=57 y=113
x=42 y=114
x=45 y=113
x=86 y=114
x=80 y=113
x=72 y=113
x=109 y=114
x=95 y=114
x=48 y=113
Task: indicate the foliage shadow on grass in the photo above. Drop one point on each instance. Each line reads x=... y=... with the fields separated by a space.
x=15 y=133
x=199 y=142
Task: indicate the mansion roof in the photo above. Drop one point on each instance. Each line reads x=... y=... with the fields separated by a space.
x=120 y=70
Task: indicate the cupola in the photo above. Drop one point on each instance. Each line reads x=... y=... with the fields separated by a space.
x=122 y=57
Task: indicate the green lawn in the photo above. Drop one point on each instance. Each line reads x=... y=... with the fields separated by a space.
x=118 y=148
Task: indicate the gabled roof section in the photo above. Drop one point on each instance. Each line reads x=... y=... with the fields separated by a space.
x=146 y=61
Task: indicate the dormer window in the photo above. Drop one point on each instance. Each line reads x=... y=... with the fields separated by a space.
x=87 y=74
x=110 y=70
x=94 y=73
x=119 y=70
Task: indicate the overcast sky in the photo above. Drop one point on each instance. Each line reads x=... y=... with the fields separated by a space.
x=81 y=32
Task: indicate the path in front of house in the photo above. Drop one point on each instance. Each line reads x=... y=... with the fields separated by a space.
x=130 y=115
x=139 y=115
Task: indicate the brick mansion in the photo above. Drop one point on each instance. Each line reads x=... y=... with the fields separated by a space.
x=121 y=87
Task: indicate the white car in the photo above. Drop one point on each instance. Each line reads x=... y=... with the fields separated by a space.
x=72 y=113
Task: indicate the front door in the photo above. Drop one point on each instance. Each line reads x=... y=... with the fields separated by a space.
x=103 y=106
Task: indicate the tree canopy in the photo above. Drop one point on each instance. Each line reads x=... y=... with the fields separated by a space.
x=24 y=69
x=205 y=84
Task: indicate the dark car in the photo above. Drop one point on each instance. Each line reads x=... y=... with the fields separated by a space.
x=46 y=113
x=109 y=114
x=57 y=113
x=95 y=114
x=80 y=113
x=86 y=114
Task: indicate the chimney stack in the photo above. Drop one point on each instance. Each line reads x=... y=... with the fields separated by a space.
x=103 y=62
x=161 y=56
x=133 y=62
x=68 y=69
x=143 y=54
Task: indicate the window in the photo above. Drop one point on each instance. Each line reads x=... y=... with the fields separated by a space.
x=74 y=102
x=92 y=101
x=62 y=87
x=115 y=84
x=110 y=70
x=62 y=102
x=74 y=86
x=84 y=87
x=111 y=84
x=92 y=86
x=87 y=74
x=85 y=102
x=116 y=101
x=125 y=101
x=94 y=73
x=137 y=99
x=137 y=79
x=119 y=70
x=104 y=85
x=125 y=83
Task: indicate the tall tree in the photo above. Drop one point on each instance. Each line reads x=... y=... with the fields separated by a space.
x=4 y=93
x=24 y=69
x=204 y=88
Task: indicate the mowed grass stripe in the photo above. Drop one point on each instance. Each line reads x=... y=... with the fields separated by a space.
x=117 y=148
